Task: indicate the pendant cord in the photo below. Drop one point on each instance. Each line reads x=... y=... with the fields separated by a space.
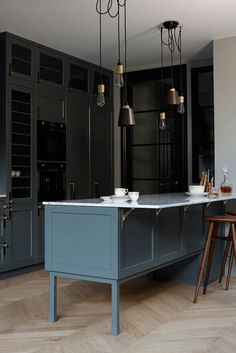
x=118 y=18
x=180 y=62
x=125 y=33
x=162 y=73
x=100 y=36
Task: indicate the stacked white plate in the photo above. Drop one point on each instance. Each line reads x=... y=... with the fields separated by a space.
x=197 y=193
x=116 y=198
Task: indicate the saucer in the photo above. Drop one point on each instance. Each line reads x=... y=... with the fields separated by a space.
x=197 y=194
x=105 y=198
x=115 y=198
x=119 y=198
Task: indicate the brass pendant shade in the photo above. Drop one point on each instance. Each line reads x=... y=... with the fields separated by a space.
x=126 y=116
x=173 y=97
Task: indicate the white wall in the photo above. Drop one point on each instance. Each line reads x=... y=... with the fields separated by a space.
x=224 y=56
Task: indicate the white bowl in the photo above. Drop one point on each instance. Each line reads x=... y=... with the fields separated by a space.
x=196 y=189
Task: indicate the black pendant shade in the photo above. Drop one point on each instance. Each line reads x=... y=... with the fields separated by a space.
x=126 y=116
x=173 y=97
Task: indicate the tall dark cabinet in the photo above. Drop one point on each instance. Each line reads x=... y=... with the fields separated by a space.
x=52 y=139
x=202 y=121
x=154 y=160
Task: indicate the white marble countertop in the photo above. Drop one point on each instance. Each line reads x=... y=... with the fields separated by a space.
x=2 y=196
x=154 y=201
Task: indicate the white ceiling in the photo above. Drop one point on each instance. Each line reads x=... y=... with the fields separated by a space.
x=72 y=27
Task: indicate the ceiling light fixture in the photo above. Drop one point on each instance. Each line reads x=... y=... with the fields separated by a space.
x=101 y=86
x=173 y=41
x=119 y=80
x=126 y=116
x=162 y=122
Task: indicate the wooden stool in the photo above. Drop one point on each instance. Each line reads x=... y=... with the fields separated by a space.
x=209 y=248
x=228 y=253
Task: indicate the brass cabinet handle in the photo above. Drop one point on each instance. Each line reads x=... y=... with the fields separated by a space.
x=40 y=207
x=4 y=219
x=3 y=245
x=72 y=190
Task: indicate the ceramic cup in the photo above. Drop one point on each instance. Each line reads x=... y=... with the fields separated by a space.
x=196 y=189
x=134 y=195
x=121 y=191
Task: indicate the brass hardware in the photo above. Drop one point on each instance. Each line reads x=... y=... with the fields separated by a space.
x=72 y=190
x=3 y=218
x=158 y=210
x=185 y=210
x=208 y=204
x=225 y=202
x=124 y=215
x=3 y=245
x=101 y=88
x=162 y=115
x=39 y=207
x=4 y=207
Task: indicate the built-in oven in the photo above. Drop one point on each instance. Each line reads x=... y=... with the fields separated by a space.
x=51 y=181
x=51 y=141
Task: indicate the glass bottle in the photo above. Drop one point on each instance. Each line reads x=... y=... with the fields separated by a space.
x=226 y=186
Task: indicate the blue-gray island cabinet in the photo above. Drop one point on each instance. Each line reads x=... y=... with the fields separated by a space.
x=110 y=242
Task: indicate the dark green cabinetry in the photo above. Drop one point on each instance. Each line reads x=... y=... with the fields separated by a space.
x=22 y=238
x=51 y=69
x=51 y=106
x=102 y=148
x=78 y=150
x=21 y=59
x=78 y=81
x=39 y=83
x=3 y=238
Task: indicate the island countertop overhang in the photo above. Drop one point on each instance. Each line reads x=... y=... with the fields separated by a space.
x=153 y=201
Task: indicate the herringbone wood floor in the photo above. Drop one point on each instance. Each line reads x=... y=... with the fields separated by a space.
x=155 y=317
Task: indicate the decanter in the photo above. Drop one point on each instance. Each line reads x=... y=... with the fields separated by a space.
x=226 y=187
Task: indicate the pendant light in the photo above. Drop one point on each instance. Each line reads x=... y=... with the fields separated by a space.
x=119 y=80
x=162 y=121
x=170 y=27
x=101 y=86
x=126 y=115
x=181 y=108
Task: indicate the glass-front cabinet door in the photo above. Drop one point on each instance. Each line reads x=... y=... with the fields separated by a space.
x=78 y=78
x=154 y=160
x=21 y=144
x=50 y=69
x=21 y=59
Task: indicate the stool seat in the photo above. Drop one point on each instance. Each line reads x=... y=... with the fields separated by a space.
x=232 y=213
x=208 y=251
x=221 y=218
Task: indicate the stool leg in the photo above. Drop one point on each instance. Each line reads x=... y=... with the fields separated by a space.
x=226 y=254
x=204 y=259
x=234 y=240
x=209 y=262
x=231 y=261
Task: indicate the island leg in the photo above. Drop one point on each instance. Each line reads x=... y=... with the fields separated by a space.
x=52 y=298
x=115 y=303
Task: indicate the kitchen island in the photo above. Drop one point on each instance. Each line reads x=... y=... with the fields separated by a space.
x=111 y=242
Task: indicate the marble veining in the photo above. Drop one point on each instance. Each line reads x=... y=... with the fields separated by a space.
x=146 y=201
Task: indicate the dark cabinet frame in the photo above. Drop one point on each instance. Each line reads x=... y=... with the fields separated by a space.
x=196 y=113
x=127 y=132
x=22 y=208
